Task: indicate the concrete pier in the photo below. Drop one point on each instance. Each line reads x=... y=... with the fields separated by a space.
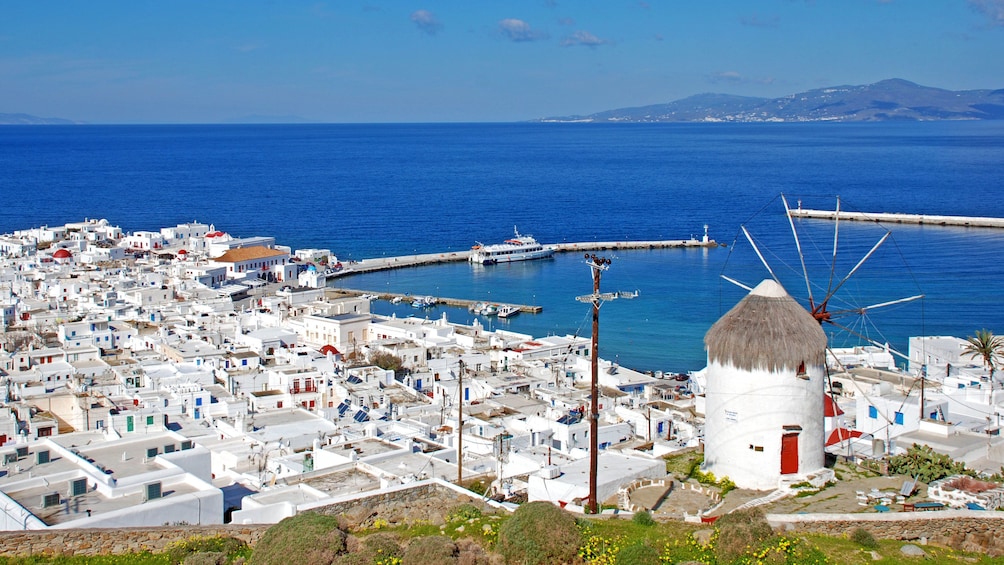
x=887 y=218
x=458 y=302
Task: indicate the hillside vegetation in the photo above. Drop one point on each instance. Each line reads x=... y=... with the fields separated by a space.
x=536 y=533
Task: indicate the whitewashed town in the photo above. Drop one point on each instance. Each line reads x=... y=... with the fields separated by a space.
x=190 y=376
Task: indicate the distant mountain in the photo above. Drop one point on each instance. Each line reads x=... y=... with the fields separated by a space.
x=27 y=119
x=263 y=119
x=888 y=100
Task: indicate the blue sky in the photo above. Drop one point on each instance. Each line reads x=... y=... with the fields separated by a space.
x=206 y=61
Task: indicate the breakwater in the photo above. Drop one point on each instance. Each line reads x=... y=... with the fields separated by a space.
x=891 y=218
x=420 y=259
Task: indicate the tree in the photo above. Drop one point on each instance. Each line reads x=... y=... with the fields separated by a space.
x=387 y=361
x=986 y=346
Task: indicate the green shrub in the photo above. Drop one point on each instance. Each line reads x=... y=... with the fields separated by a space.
x=864 y=538
x=381 y=546
x=739 y=532
x=637 y=554
x=430 y=550
x=463 y=513
x=539 y=533
x=305 y=538
x=643 y=518
x=179 y=552
x=207 y=558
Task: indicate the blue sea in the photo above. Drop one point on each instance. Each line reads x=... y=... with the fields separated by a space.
x=385 y=190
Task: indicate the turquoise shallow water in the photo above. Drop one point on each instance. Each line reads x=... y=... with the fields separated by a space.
x=384 y=190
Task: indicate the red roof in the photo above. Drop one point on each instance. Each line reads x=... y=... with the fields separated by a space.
x=841 y=434
x=329 y=349
x=62 y=254
x=182 y=252
x=830 y=408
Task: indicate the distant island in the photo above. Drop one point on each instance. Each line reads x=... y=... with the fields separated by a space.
x=29 y=120
x=887 y=100
x=884 y=101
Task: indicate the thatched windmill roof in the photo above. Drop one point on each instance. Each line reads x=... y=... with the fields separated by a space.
x=766 y=330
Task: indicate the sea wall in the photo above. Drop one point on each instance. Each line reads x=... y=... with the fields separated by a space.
x=118 y=541
x=967 y=530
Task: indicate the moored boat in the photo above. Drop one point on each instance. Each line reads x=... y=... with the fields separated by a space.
x=518 y=248
x=507 y=311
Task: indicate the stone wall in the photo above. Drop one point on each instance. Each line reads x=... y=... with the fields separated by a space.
x=116 y=541
x=428 y=502
x=425 y=502
x=960 y=529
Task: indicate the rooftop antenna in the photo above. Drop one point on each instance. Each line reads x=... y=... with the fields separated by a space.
x=597 y=265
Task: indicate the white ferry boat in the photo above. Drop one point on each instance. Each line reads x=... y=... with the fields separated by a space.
x=519 y=248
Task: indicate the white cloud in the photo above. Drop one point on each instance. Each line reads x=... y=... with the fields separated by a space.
x=426 y=21
x=992 y=9
x=584 y=38
x=518 y=30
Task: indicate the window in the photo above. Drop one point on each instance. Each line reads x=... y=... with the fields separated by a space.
x=149 y=420
x=278 y=404
x=198 y=401
x=899 y=418
x=872 y=412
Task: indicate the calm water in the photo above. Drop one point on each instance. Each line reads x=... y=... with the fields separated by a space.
x=373 y=190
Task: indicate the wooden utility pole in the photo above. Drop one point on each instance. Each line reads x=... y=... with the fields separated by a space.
x=598 y=265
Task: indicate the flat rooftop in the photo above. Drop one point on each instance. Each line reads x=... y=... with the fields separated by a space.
x=343 y=483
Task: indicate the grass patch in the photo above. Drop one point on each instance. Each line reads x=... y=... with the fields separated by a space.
x=682 y=465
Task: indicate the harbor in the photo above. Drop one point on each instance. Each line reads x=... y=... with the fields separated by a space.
x=891 y=218
x=418 y=260
x=422 y=259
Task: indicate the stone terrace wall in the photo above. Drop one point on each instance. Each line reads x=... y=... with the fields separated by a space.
x=427 y=502
x=960 y=529
x=116 y=541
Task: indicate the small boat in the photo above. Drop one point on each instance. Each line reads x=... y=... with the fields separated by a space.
x=519 y=248
x=397 y=300
x=423 y=302
x=489 y=310
x=507 y=311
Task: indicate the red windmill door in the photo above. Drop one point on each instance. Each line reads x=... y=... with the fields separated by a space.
x=789 y=454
